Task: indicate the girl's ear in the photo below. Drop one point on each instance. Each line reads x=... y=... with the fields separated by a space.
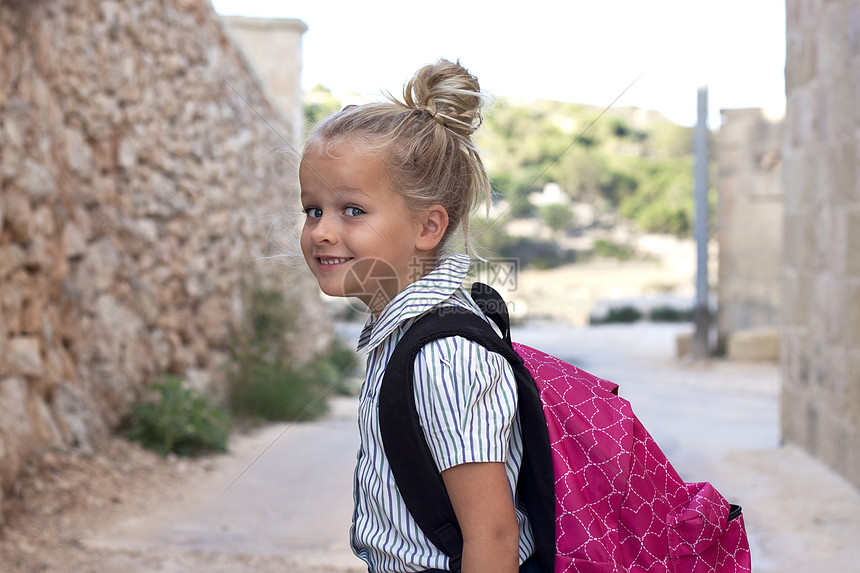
x=434 y=223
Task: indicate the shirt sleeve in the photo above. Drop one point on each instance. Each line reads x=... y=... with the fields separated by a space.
x=466 y=398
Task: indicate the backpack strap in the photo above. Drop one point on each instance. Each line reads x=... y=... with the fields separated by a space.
x=493 y=305
x=415 y=472
x=536 y=486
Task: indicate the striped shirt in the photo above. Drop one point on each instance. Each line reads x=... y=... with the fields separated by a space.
x=467 y=404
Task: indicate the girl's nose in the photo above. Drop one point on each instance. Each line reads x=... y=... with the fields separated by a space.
x=324 y=231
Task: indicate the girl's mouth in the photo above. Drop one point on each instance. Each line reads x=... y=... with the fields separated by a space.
x=333 y=260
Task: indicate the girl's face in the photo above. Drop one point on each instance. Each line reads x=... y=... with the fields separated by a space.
x=359 y=238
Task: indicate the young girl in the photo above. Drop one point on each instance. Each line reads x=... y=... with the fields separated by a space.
x=384 y=186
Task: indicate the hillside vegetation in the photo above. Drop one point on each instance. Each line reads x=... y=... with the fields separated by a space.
x=629 y=164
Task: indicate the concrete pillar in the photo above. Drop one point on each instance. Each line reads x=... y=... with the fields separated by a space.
x=273 y=47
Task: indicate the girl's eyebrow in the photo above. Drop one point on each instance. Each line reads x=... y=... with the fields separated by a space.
x=352 y=191
x=340 y=191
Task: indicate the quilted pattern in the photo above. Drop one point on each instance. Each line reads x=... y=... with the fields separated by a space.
x=620 y=505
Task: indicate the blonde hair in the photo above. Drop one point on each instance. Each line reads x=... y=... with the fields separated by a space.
x=423 y=142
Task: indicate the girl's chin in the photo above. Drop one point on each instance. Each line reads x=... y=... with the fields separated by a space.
x=336 y=288
x=331 y=288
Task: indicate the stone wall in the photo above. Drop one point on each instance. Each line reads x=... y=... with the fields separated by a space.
x=138 y=189
x=749 y=215
x=821 y=316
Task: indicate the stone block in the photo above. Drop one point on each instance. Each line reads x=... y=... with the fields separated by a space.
x=852 y=390
x=835 y=257
x=754 y=344
x=11 y=259
x=852 y=312
x=35 y=180
x=807 y=110
x=684 y=344
x=214 y=318
x=74 y=241
x=79 y=424
x=39 y=256
x=788 y=410
x=852 y=456
x=44 y=220
x=807 y=188
x=810 y=434
x=24 y=356
x=829 y=307
x=14 y=428
x=44 y=429
x=127 y=154
x=11 y=302
x=797 y=303
x=31 y=316
x=852 y=234
x=800 y=66
x=845 y=172
x=19 y=216
x=790 y=357
x=79 y=154
x=813 y=246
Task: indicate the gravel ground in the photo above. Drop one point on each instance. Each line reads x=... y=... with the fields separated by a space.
x=124 y=510
x=68 y=496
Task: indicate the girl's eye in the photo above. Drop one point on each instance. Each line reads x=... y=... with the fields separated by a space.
x=313 y=212
x=354 y=211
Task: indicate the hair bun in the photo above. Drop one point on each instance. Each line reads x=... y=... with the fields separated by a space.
x=449 y=93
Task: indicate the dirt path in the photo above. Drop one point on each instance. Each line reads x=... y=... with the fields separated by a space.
x=256 y=509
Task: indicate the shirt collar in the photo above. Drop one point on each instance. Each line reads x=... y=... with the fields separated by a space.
x=417 y=298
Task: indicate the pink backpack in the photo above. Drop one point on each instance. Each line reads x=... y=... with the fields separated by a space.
x=600 y=494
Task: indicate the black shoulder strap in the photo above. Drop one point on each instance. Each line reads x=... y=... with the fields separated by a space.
x=415 y=472
x=493 y=305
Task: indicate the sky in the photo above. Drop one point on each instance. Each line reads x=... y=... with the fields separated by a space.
x=575 y=50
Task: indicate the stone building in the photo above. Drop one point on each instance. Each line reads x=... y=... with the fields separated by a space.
x=749 y=214
x=138 y=187
x=821 y=268
x=265 y=41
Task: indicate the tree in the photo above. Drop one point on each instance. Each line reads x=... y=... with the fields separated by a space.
x=319 y=103
x=558 y=217
x=627 y=162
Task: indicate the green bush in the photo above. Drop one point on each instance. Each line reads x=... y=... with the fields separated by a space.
x=319 y=103
x=266 y=383
x=274 y=391
x=611 y=250
x=531 y=253
x=339 y=367
x=624 y=314
x=670 y=314
x=181 y=421
x=557 y=217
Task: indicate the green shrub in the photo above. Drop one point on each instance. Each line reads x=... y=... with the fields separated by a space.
x=339 y=367
x=670 y=314
x=557 y=217
x=266 y=383
x=531 y=253
x=611 y=250
x=274 y=390
x=182 y=421
x=624 y=314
